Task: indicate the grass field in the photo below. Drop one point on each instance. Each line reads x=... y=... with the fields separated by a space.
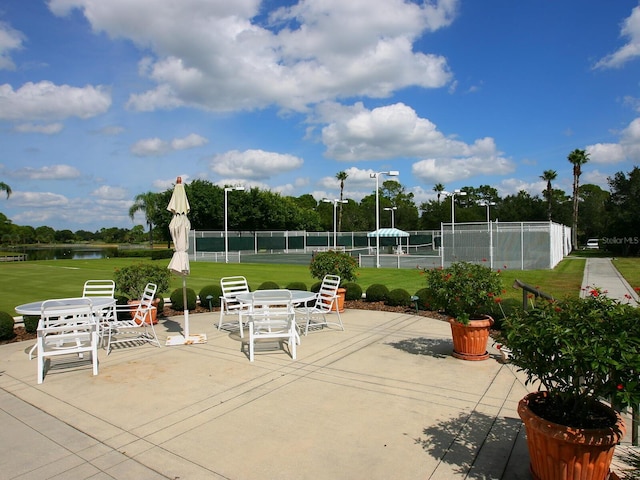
x=23 y=282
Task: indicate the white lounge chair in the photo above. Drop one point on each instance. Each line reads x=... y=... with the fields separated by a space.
x=325 y=303
x=229 y=305
x=101 y=289
x=272 y=317
x=67 y=330
x=137 y=327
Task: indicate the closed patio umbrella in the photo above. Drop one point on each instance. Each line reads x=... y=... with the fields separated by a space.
x=179 y=228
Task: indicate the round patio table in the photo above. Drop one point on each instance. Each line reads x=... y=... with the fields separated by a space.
x=35 y=308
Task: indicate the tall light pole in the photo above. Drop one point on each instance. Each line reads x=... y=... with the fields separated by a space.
x=335 y=202
x=390 y=173
x=486 y=203
x=392 y=210
x=226 y=233
x=453 y=194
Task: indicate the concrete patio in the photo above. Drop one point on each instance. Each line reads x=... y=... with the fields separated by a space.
x=383 y=399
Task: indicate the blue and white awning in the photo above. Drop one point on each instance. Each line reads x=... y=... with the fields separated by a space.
x=388 y=232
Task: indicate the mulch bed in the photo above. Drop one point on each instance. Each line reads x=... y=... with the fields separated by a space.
x=21 y=334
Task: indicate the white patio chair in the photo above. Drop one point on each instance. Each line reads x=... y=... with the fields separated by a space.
x=272 y=317
x=65 y=331
x=229 y=305
x=134 y=328
x=105 y=289
x=326 y=302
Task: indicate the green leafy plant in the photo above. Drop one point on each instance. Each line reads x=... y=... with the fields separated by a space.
x=334 y=263
x=268 y=285
x=581 y=350
x=131 y=280
x=463 y=290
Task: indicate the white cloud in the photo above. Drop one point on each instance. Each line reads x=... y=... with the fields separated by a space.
x=156 y=146
x=216 y=56
x=47 y=129
x=606 y=153
x=445 y=170
x=150 y=147
x=110 y=193
x=46 y=101
x=628 y=149
x=630 y=50
x=254 y=164
x=10 y=39
x=355 y=133
x=39 y=199
x=53 y=172
x=190 y=141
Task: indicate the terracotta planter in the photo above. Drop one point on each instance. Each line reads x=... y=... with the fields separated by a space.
x=470 y=341
x=558 y=452
x=339 y=305
x=151 y=316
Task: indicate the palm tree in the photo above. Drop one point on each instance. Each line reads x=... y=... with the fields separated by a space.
x=6 y=188
x=548 y=176
x=147 y=203
x=577 y=158
x=438 y=188
x=342 y=176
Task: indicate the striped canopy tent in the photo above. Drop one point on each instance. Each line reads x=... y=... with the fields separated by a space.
x=390 y=232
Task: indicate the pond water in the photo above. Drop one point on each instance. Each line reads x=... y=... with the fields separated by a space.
x=67 y=253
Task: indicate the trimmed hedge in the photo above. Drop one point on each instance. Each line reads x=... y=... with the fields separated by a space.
x=214 y=290
x=177 y=299
x=377 y=293
x=31 y=323
x=354 y=291
x=268 y=286
x=6 y=326
x=398 y=297
x=297 y=286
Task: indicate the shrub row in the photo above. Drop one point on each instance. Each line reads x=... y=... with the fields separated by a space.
x=209 y=295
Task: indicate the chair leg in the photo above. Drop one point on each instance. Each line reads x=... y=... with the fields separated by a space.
x=221 y=315
x=94 y=352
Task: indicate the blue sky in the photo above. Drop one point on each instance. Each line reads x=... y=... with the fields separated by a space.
x=103 y=100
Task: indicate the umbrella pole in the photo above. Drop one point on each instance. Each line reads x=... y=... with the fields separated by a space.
x=186 y=308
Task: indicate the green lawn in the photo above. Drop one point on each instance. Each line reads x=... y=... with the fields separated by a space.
x=23 y=282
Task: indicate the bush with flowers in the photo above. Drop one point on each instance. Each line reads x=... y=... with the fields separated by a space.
x=581 y=351
x=463 y=290
x=334 y=263
x=132 y=279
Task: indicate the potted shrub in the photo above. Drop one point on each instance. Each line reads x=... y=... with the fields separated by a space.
x=335 y=263
x=467 y=294
x=131 y=280
x=582 y=352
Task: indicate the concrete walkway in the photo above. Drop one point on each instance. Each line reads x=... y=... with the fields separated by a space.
x=600 y=273
x=383 y=399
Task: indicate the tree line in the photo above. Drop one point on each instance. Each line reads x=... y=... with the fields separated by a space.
x=600 y=213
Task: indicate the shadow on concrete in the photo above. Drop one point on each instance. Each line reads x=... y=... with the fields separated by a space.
x=437 y=348
x=467 y=441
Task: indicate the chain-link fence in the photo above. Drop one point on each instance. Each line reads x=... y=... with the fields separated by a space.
x=513 y=245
